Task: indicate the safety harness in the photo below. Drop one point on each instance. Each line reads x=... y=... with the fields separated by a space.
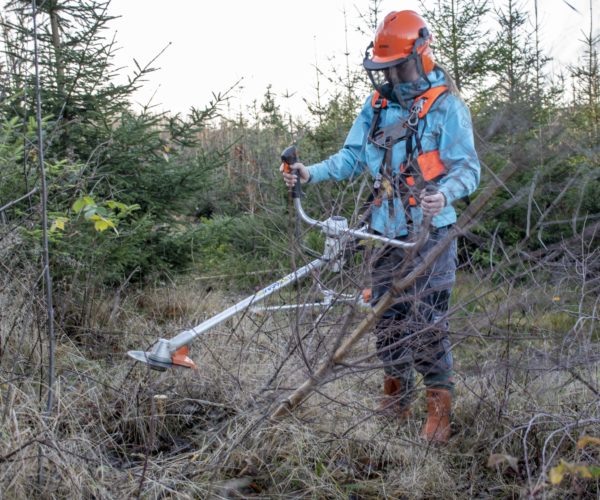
x=420 y=169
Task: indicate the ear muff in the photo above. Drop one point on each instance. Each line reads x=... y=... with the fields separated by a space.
x=423 y=51
x=422 y=40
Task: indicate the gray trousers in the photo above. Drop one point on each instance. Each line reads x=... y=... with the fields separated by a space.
x=413 y=333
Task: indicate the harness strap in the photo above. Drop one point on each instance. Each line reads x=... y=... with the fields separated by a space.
x=377 y=99
x=410 y=179
x=422 y=168
x=429 y=97
x=377 y=103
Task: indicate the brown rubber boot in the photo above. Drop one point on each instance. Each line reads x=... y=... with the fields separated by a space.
x=390 y=403
x=437 y=427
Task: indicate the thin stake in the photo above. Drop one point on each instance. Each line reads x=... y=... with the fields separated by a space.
x=44 y=199
x=44 y=208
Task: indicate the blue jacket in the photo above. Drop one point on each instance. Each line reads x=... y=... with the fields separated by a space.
x=447 y=127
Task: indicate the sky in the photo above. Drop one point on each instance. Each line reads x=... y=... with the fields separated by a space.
x=214 y=45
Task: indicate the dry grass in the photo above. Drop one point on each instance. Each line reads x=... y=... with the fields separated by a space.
x=109 y=437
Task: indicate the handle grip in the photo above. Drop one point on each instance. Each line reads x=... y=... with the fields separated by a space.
x=289 y=156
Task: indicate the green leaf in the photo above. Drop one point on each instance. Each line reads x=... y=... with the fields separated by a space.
x=82 y=203
x=58 y=223
x=89 y=212
x=582 y=470
x=594 y=471
x=116 y=205
x=102 y=224
x=320 y=469
x=102 y=212
x=557 y=473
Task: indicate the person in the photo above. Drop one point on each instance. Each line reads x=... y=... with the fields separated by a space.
x=414 y=136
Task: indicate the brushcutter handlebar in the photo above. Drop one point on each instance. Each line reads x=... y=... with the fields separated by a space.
x=332 y=227
x=289 y=157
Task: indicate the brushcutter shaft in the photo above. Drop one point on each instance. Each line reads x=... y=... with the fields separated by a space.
x=166 y=353
x=187 y=336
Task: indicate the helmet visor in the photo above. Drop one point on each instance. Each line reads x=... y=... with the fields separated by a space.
x=372 y=65
x=389 y=76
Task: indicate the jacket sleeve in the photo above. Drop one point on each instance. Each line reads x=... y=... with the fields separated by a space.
x=350 y=160
x=457 y=152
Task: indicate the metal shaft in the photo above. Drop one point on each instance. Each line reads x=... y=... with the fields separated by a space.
x=187 y=336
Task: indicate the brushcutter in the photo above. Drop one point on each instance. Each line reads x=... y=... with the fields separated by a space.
x=166 y=353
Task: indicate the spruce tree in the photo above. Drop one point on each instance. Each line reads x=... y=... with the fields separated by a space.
x=124 y=183
x=461 y=44
x=586 y=84
x=514 y=58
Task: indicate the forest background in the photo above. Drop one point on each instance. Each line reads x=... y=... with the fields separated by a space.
x=158 y=220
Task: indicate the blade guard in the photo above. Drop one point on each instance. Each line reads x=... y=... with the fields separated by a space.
x=180 y=358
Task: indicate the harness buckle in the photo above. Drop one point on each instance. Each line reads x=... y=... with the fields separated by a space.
x=415 y=111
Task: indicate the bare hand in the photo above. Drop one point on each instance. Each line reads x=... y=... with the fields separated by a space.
x=298 y=170
x=432 y=203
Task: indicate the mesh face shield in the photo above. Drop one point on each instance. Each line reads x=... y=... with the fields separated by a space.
x=380 y=80
x=386 y=76
x=382 y=84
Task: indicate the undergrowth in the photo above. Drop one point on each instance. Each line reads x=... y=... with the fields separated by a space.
x=120 y=430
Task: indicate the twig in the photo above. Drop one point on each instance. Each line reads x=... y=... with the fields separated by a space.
x=14 y=202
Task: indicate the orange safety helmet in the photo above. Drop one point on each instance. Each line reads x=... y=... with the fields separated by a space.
x=402 y=36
